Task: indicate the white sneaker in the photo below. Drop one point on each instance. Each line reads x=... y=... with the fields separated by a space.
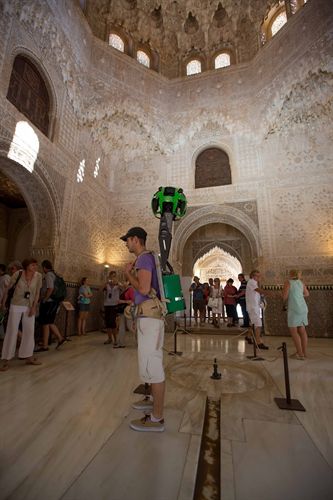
x=144 y=404
x=146 y=425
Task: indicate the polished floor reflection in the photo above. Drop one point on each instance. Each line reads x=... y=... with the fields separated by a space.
x=64 y=424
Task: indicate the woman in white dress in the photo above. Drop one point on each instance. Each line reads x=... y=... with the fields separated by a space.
x=216 y=302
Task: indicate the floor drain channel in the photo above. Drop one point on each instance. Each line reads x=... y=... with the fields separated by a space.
x=208 y=480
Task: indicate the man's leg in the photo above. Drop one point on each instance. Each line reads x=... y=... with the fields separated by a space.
x=257 y=331
x=158 y=391
x=150 y=357
x=196 y=314
x=246 y=322
x=122 y=330
x=54 y=329
x=46 y=333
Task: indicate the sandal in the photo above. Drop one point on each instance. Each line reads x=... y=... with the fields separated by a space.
x=297 y=356
x=33 y=361
x=4 y=368
x=108 y=342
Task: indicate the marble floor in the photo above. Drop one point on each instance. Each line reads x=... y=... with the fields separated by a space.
x=64 y=425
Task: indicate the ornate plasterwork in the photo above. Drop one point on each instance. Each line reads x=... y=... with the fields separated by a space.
x=88 y=94
x=215 y=214
x=303 y=220
x=202 y=248
x=179 y=29
x=307 y=102
x=217 y=262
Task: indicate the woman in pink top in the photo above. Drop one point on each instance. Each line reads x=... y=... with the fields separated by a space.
x=230 y=300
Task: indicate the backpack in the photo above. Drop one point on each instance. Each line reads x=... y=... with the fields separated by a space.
x=60 y=290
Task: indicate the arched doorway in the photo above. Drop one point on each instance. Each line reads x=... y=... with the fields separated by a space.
x=36 y=209
x=16 y=226
x=217 y=263
x=226 y=227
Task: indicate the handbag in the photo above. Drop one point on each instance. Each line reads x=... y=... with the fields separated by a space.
x=10 y=293
x=213 y=302
x=121 y=307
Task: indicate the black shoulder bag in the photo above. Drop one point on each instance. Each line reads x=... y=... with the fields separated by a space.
x=11 y=291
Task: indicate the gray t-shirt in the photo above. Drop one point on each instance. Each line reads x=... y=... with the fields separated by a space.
x=48 y=282
x=111 y=295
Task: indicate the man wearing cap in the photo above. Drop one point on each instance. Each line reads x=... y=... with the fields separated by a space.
x=142 y=275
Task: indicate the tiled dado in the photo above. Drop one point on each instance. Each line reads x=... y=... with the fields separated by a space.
x=320 y=304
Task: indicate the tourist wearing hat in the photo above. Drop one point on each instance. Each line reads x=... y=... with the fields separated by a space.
x=142 y=275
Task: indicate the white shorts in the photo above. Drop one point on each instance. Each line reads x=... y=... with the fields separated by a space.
x=150 y=333
x=255 y=318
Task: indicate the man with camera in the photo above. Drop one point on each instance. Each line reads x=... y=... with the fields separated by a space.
x=142 y=275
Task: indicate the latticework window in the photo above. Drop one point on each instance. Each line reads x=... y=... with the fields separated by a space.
x=278 y=22
x=212 y=168
x=193 y=67
x=222 y=60
x=143 y=58
x=117 y=42
x=28 y=92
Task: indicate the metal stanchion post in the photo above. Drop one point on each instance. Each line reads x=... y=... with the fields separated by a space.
x=254 y=357
x=144 y=389
x=184 y=330
x=191 y=309
x=287 y=403
x=175 y=352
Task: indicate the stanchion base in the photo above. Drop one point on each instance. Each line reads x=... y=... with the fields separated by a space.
x=141 y=389
x=216 y=377
x=181 y=330
x=294 y=404
x=177 y=353
x=255 y=358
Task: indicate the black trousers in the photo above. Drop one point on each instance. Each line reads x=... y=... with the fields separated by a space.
x=245 y=314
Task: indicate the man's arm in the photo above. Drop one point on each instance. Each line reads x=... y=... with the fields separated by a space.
x=48 y=294
x=141 y=282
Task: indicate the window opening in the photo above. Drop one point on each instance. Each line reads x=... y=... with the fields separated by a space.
x=222 y=60
x=143 y=58
x=278 y=22
x=116 y=42
x=28 y=92
x=193 y=67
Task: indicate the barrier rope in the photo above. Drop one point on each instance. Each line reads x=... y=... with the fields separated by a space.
x=234 y=337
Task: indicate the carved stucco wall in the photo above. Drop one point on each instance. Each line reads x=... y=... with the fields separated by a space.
x=272 y=116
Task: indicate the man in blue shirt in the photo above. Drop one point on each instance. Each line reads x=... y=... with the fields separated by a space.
x=199 y=304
